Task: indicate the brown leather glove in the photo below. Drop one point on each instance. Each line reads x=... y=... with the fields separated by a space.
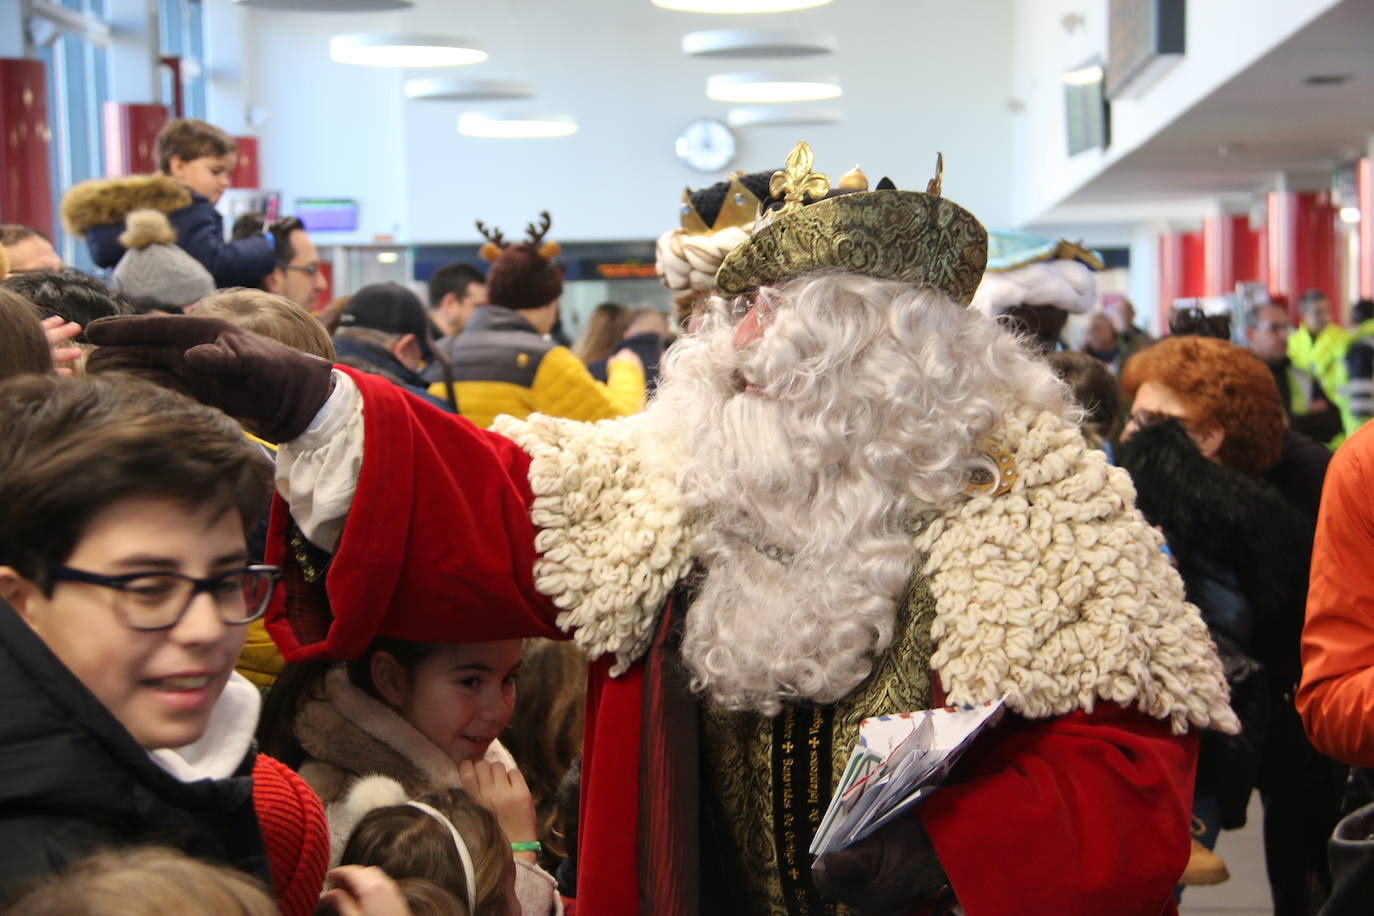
x=893 y=871
x=272 y=389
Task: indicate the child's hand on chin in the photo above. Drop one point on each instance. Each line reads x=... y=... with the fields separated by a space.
x=502 y=792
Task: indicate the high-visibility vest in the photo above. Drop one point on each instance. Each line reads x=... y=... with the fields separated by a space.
x=1324 y=357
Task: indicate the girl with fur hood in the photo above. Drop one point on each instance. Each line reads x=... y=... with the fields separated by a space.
x=424 y=719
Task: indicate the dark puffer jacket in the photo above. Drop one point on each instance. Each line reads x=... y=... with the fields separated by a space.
x=73 y=780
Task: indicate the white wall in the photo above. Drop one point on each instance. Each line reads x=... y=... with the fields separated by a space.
x=1222 y=37
x=919 y=76
x=331 y=130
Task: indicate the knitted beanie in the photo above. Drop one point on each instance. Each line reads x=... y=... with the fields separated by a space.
x=295 y=835
x=154 y=267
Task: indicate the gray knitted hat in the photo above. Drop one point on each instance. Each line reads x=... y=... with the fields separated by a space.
x=154 y=267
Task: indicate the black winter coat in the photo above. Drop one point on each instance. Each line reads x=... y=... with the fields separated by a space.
x=73 y=780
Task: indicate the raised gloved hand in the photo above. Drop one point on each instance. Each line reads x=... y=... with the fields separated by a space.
x=272 y=389
x=893 y=871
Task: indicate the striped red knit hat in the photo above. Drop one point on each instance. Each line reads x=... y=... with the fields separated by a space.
x=295 y=835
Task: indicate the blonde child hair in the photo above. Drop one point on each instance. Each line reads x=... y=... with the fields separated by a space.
x=271 y=316
x=146 y=881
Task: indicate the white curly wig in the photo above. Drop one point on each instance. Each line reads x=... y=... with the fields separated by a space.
x=809 y=458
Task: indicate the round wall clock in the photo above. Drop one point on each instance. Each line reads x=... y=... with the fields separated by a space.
x=706 y=145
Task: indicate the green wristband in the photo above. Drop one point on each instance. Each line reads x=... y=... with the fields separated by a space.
x=529 y=846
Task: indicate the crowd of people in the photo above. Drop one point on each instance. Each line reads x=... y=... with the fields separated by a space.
x=270 y=575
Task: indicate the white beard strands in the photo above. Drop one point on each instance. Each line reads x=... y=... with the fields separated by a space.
x=807 y=494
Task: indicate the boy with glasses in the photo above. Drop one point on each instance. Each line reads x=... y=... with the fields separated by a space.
x=125 y=590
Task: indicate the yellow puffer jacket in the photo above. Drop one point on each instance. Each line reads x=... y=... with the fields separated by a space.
x=501 y=365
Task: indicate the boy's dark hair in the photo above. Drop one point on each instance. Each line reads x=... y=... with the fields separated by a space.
x=68 y=293
x=14 y=233
x=23 y=345
x=1094 y=387
x=452 y=278
x=72 y=447
x=187 y=139
x=1362 y=310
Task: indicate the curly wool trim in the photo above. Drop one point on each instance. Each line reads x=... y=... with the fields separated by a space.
x=689 y=262
x=612 y=539
x=1057 y=594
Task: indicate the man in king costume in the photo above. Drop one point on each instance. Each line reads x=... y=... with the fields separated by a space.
x=851 y=496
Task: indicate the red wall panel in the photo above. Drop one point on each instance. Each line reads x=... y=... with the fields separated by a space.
x=25 y=170
x=131 y=137
x=246 y=170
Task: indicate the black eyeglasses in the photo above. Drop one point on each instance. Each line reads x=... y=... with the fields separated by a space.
x=1273 y=326
x=158 y=600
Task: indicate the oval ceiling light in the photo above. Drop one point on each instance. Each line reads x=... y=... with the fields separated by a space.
x=764 y=88
x=518 y=127
x=738 y=6
x=377 y=49
x=757 y=43
x=451 y=89
x=329 y=6
x=769 y=115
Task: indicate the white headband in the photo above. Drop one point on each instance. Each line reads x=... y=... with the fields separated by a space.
x=469 y=876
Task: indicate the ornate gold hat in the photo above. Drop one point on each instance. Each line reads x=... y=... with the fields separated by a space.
x=917 y=238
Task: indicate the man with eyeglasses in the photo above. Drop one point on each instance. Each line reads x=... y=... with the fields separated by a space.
x=1308 y=407
x=297 y=275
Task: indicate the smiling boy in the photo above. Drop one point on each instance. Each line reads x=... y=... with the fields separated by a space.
x=195 y=163
x=125 y=591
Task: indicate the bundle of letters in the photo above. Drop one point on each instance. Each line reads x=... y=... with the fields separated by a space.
x=899 y=761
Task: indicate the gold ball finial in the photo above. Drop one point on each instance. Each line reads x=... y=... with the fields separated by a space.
x=854 y=180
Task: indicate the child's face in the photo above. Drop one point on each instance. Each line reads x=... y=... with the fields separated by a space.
x=160 y=684
x=206 y=175
x=462 y=696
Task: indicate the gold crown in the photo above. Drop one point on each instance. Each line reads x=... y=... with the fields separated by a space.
x=914 y=237
x=740 y=208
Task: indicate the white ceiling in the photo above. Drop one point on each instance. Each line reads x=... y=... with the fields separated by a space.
x=1263 y=122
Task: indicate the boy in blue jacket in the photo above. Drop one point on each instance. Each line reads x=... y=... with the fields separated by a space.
x=195 y=160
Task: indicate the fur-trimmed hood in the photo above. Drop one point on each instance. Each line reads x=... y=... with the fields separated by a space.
x=102 y=201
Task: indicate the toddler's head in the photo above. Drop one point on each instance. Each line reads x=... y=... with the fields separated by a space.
x=199 y=155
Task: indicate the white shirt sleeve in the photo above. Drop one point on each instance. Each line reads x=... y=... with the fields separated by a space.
x=317 y=472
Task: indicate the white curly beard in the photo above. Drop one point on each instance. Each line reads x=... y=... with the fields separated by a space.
x=865 y=399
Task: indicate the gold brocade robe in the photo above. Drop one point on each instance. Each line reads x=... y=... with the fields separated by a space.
x=770 y=780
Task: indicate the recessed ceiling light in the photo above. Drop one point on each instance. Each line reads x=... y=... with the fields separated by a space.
x=329 y=6
x=769 y=115
x=388 y=257
x=757 y=43
x=376 y=49
x=1350 y=214
x=763 y=88
x=447 y=88
x=524 y=126
x=738 y=6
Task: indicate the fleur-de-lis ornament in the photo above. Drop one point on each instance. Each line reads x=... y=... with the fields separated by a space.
x=933 y=188
x=796 y=180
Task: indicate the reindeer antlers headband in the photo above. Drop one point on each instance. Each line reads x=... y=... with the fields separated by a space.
x=496 y=240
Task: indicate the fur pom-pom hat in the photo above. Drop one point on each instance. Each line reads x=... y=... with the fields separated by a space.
x=154 y=268
x=523 y=275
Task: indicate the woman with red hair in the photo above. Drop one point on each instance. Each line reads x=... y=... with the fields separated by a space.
x=1222 y=395
x=1206 y=424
